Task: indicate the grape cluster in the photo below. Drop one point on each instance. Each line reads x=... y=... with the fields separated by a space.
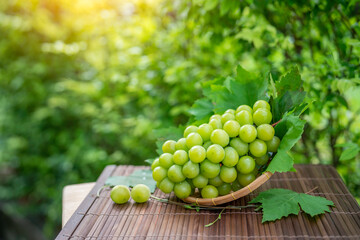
x=220 y=156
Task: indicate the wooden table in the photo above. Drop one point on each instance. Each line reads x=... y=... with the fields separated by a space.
x=100 y=218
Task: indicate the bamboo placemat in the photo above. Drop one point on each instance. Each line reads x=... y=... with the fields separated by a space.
x=100 y=218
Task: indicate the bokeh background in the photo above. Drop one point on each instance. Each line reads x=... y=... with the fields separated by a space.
x=83 y=84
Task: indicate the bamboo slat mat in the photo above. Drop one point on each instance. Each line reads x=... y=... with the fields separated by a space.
x=100 y=218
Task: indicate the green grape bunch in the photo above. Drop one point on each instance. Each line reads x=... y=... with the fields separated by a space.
x=220 y=156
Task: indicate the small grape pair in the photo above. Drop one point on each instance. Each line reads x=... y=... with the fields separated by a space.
x=121 y=194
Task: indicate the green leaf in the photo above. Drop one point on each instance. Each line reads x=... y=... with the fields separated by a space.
x=351 y=150
x=150 y=161
x=227 y=5
x=289 y=130
x=202 y=108
x=277 y=203
x=210 y=4
x=137 y=177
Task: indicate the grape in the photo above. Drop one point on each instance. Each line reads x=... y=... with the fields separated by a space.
x=181 y=144
x=169 y=146
x=190 y=129
x=197 y=154
x=265 y=132
x=175 y=174
x=219 y=136
x=231 y=157
x=261 y=104
x=246 y=164
x=244 y=117
x=215 y=116
x=182 y=190
x=262 y=160
x=200 y=181
x=215 y=153
x=166 y=185
x=180 y=157
x=140 y=193
x=159 y=174
x=244 y=107
x=215 y=123
x=232 y=128
x=166 y=160
x=120 y=194
x=226 y=117
x=207 y=144
x=228 y=174
x=205 y=131
x=209 y=191
x=247 y=133
x=262 y=116
x=193 y=139
x=216 y=181
x=231 y=111
x=224 y=189
x=209 y=169
x=155 y=164
x=190 y=169
x=258 y=148
x=191 y=185
x=235 y=186
x=245 y=179
x=241 y=147
x=273 y=144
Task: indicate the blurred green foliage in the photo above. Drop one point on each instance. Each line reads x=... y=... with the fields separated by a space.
x=84 y=83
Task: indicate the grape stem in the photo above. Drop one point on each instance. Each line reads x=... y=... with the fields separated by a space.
x=274 y=124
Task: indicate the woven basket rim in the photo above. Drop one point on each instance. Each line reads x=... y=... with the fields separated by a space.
x=264 y=177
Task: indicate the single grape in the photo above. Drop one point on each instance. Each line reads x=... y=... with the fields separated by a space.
x=219 y=136
x=180 y=157
x=258 y=148
x=190 y=169
x=265 y=132
x=120 y=194
x=140 y=193
x=245 y=179
x=228 y=174
x=181 y=144
x=224 y=189
x=166 y=185
x=207 y=144
x=244 y=107
x=235 y=186
x=215 y=123
x=209 y=169
x=209 y=191
x=182 y=190
x=190 y=129
x=216 y=181
x=215 y=153
x=262 y=116
x=215 y=116
x=247 y=133
x=232 y=111
x=226 y=117
x=273 y=144
x=244 y=117
x=166 y=160
x=205 y=131
x=175 y=174
x=200 y=181
x=159 y=173
x=261 y=104
x=193 y=139
x=241 y=147
x=197 y=154
x=155 y=164
x=262 y=160
x=232 y=128
x=245 y=165
x=169 y=146
x=231 y=157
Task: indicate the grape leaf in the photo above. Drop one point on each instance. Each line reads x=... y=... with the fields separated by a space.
x=202 y=108
x=277 y=203
x=137 y=177
x=289 y=130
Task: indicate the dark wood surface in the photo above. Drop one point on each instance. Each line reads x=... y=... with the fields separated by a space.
x=100 y=218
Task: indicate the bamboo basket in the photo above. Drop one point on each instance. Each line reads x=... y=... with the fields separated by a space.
x=231 y=196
